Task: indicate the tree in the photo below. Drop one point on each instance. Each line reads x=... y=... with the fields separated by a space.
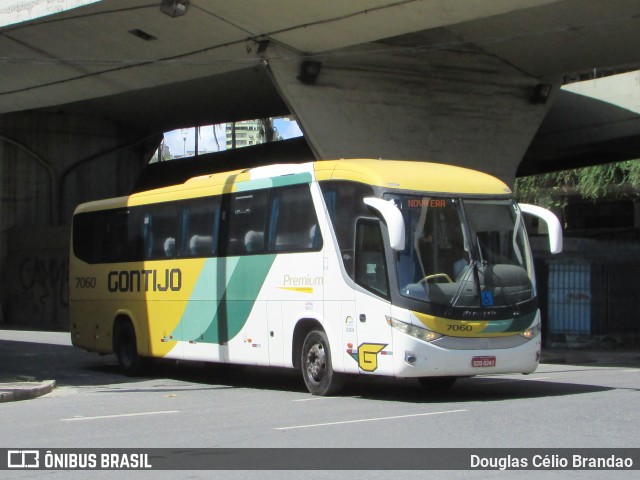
x=551 y=190
x=269 y=131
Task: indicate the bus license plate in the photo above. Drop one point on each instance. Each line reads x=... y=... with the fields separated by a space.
x=483 y=362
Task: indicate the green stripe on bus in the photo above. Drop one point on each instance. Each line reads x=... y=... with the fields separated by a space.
x=518 y=324
x=223 y=298
x=281 y=181
x=495 y=326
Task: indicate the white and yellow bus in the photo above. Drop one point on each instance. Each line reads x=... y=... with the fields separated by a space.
x=406 y=269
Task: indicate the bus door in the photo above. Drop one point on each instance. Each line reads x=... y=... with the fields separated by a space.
x=372 y=300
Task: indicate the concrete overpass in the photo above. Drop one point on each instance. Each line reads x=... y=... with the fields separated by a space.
x=85 y=95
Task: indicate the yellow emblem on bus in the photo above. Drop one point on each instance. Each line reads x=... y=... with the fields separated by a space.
x=368 y=356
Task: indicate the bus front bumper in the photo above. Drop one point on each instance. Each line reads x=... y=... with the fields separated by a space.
x=416 y=358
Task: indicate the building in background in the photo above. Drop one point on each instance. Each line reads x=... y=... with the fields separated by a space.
x=244 y=134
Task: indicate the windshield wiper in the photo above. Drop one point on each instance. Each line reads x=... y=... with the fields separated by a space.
x=476 y=280
x=473 y=269
x=461 y=283
x=476 y=275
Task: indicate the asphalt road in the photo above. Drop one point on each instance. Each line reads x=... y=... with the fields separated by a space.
x=209 y=406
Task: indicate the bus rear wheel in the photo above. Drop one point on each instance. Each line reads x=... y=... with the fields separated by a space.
x=315 y=365
x=126 y=349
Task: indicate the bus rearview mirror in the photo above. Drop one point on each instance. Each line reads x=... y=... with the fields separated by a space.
x=392 y=217
x=553 y=225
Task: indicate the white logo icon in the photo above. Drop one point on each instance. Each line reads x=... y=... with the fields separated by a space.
x=23 y=459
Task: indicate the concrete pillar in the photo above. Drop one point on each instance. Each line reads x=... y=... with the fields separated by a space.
x=463 y=107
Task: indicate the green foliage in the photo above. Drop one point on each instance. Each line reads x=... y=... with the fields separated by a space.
x=612 y=180
x=633 y=175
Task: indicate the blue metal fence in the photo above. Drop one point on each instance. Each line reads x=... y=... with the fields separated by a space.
x=584 y=299
x=569 y=307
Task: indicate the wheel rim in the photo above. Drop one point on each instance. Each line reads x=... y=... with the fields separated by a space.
x=316 y=362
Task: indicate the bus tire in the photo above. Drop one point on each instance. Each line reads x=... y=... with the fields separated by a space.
x=126 y=349
x=437 y=384
x=315 y=365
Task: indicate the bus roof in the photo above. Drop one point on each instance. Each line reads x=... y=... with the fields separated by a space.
x=392 y=174
x=412 y=175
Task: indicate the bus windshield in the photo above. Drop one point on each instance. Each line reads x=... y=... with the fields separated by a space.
x=465 y=253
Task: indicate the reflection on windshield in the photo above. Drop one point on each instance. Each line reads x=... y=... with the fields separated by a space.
x=463 y=253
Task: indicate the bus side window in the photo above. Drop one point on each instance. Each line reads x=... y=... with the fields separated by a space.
x=199 y=226
x=293 y=224
x=246 y=223
x=371 y=268
x=158 y=226
x=119 y=237
x=89 y=236
x=344 y=205
x=106 y=236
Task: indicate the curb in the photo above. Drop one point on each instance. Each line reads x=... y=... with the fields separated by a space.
x=12 y=392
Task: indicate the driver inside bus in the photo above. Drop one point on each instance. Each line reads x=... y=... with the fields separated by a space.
x=461 y=255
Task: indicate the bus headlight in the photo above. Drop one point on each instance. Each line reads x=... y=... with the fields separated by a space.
x=416 y=332
x=532 y=332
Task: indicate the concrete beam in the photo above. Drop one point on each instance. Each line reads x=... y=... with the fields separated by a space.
x=60 y=160
x=461 y=107
x=580 y=131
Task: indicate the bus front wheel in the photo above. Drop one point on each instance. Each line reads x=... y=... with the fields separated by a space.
x=126 y=349
x=315 y=364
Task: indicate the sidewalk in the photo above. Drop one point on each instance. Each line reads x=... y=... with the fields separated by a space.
x=24 y=389
x=20 y=383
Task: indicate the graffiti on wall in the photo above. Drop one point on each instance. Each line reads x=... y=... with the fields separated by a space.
x=40 y=296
